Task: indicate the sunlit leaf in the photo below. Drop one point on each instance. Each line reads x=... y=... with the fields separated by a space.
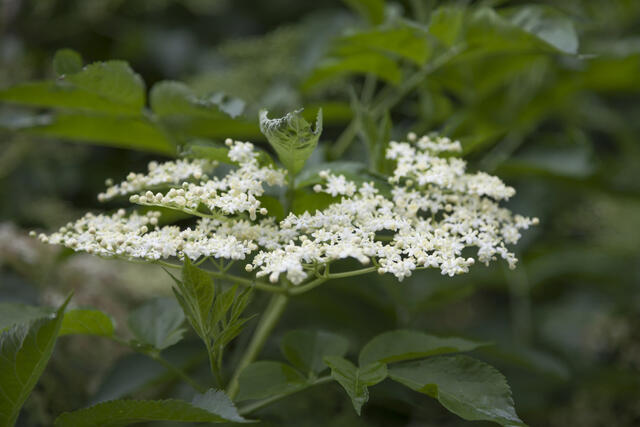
x=107 y=87
x=86 y=322
x=117 y=131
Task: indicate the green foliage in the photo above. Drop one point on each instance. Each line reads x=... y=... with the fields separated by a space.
x=14 y=313
x=402 y=40
x=292 y=137
x=374 y=63
x=465 y=386
x=548 y=24
x=395 y=346
x=371 y=10
x=212 y=407
x=112 y=130
x=67 y=61
x=356 y=380
x=24 y=352
x=158 y=323
x=106 y=87
x=171 y=98
x=86 y=322
x=506 y=78
x=215 y=315
x=306 y=349
x=267 y=379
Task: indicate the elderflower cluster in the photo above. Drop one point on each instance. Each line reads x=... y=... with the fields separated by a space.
x=433 y=212
x=236 y=192
x=167 y=173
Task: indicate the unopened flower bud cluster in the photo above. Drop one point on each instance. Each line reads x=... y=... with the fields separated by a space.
x=167 y=173
x=434 y=211
x=237 y=192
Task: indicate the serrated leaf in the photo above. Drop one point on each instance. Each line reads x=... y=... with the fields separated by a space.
x=402 y=40
x=292 y=137
x=212 y=407
x=265 y=379
x=306 y=349
x=196 y=293
x=158 y=323
x=467 y=387
x=107 y=87
x=371 y=10
x=356 y=380
x=172 y=98
x=395 y=346
x=135 y=133
x=24 y=353
x=374 y=63
x=66 y=61
x=86 y=322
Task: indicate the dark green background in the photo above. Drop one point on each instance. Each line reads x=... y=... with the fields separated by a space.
x=563 y=129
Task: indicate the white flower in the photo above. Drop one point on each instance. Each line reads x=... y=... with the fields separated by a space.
x=435 y=210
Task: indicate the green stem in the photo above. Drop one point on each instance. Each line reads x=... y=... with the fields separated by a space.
x=268 y=401
x=213 y=366
x=320 y=280
x=266 y=324
x=344 y=140
x=248 y=282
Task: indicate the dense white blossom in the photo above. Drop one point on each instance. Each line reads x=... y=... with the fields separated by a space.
x=167 y=173
x=433 y=212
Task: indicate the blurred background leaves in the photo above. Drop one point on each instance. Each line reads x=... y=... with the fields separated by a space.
x=543 y=94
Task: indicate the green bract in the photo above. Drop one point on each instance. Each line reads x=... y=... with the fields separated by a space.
x=292 y=137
